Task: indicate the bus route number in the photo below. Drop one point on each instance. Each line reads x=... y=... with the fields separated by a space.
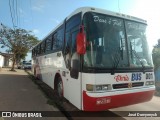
x=149 y=76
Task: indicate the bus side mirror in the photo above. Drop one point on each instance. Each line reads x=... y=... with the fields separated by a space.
x=81 y=43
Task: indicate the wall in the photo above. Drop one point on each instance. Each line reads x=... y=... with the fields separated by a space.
x=1 y=61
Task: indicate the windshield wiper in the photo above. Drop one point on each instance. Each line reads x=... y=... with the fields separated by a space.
x=137 y=56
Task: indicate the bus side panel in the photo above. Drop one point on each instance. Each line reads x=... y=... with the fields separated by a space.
x=51 y=64
x=72 y=89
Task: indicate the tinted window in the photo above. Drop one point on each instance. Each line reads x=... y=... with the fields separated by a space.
x=72 y=28
x=73 y=37
x=106 y=46
x=27 y=63
x=73 y=21
x=138 y=46
x=48 y=44
x=54 y=41
x=58 y=39
x=43 y=47
x=38 y=49
x=67 y=45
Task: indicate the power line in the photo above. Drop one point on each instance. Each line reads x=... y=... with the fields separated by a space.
x=13 y=11
x=17 y=13
x=11 y=14
x=19 y=4
x=13 y=5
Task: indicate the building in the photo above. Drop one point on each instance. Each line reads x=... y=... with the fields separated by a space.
x=1 y=61
x=5 y=60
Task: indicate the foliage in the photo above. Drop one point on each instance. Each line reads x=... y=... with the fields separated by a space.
x=156 y=55
x=18 y=41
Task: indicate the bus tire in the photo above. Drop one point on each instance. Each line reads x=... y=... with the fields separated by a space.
x=59 y=87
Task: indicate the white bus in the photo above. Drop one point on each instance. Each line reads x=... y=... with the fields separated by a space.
x=97 y=60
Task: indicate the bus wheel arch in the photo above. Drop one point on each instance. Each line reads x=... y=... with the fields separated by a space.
x=58 y=85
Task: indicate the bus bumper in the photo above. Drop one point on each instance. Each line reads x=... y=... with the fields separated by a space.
x=119 y=100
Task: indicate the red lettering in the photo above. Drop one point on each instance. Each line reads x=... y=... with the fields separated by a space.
x=121 y=78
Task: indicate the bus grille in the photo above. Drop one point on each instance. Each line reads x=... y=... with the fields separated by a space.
x=127 y=85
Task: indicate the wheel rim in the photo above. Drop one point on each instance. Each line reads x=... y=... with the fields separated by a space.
x=60 y=89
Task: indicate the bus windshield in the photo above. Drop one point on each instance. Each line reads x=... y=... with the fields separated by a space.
x=137 y=44
x=107 y=45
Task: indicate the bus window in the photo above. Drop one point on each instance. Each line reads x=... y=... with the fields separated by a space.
x=54 y=41
x=38 y=50
x=73 y=42
x=72 y=26
x=43 y=47
x=48 y=44
x=59 y=39
x=74 y=55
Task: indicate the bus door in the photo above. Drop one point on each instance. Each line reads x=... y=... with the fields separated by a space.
x=72 y=88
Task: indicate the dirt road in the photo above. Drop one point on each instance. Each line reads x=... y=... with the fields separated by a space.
x=19 y=93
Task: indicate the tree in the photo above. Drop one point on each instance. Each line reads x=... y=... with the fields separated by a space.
x=156 y=55
x=18 y=41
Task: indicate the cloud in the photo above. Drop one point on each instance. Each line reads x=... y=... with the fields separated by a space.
x=35 y=31
x=39 y=5
x=38 y=8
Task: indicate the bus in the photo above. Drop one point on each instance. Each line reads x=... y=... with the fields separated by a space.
x=97 y=60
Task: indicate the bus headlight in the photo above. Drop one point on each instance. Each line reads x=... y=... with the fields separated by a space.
x=95 y=88
x=149 y=83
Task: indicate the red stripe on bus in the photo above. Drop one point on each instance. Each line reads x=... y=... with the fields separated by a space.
x=90 y=103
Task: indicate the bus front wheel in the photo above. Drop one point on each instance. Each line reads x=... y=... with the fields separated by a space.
x=60 y=88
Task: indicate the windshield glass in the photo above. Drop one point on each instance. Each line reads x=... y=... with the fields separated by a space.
x=138 y=47
x=107 y=46
x=106 y=43
x=27 y=63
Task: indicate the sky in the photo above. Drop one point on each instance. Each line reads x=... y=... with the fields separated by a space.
x=42 y=16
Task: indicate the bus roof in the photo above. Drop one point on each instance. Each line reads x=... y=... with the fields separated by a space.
x=97 y=10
